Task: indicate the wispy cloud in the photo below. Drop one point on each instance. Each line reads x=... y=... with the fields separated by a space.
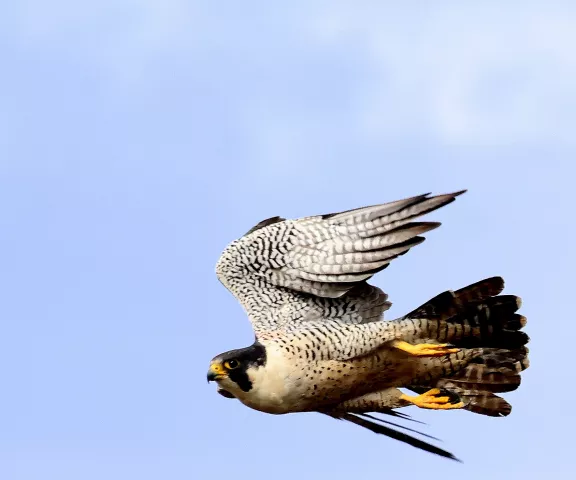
x=315 y=75
x=486 y=72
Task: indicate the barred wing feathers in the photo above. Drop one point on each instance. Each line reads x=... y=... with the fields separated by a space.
x=285 y=270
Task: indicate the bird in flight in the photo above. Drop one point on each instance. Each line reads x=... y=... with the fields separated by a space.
x=322 y=344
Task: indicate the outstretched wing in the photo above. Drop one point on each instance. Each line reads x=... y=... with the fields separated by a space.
x=286 y=270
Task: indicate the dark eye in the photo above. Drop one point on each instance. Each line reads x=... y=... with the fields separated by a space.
x=232 y=364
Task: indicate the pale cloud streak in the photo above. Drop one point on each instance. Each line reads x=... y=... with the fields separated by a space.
x=487 y=72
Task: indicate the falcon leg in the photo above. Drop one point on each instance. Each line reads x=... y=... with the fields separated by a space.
x=434 y=399
x=382 y=401
x=424 y=349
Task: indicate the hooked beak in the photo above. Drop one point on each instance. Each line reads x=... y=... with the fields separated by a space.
x=215 y=372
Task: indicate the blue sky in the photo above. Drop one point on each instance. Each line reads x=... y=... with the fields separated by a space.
x=140 y=137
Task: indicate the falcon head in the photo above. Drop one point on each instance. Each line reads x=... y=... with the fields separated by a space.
x=232 y=370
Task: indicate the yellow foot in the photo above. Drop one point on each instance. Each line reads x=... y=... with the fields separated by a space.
x=432 y=400
x=425 y=349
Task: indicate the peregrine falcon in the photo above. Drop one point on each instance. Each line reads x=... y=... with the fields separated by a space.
x=322 y=344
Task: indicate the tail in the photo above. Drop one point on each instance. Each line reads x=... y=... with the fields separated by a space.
x=478 y=317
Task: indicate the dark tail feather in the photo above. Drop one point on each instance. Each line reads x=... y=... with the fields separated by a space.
x=486 y=404
x=474 y=316
x=494 y=371
x=516 y=360
x=450 y=303
x=478 y=317
x=400 y=436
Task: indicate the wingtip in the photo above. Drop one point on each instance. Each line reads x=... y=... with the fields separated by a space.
x=397 y=435
x=452 y=194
